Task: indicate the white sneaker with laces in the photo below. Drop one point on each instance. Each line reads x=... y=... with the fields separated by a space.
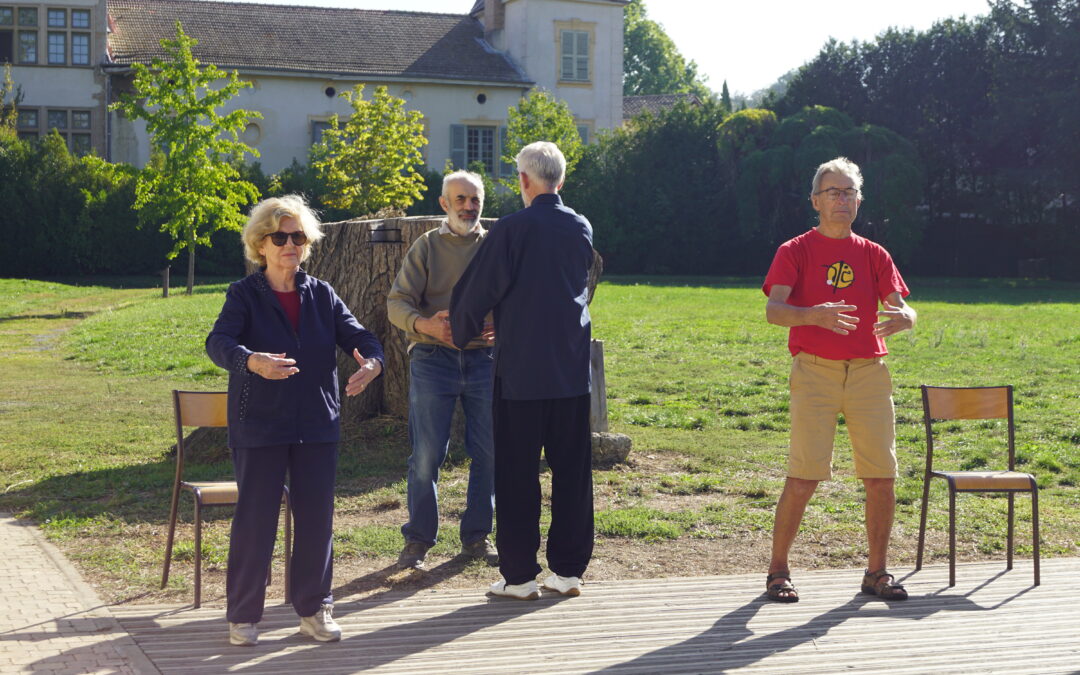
x=243 y=634
x=321 y=625
x=570 y=586
x=525 y=591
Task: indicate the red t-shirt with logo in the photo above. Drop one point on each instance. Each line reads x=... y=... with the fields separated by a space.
x=852 y=271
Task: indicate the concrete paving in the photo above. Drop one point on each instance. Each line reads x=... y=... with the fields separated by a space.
x=51 y=621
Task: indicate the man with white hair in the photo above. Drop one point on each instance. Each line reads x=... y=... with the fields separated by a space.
x=533 y=271
x=825 y=286
x=440 y=374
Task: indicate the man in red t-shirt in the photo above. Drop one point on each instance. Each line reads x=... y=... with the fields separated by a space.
x=825 y=285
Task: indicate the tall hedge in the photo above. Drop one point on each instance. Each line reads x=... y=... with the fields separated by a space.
x=74 y=216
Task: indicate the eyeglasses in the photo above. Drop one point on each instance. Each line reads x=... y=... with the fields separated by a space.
x=279 y=238
x=834 y=193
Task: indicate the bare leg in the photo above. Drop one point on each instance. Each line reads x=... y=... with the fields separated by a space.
x=789 y=514
x=880 y=507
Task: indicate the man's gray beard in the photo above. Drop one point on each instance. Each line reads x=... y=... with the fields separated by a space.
x=458 y=226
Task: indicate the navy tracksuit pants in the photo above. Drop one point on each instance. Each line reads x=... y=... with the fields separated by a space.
x=561 y=427
x=260 y=475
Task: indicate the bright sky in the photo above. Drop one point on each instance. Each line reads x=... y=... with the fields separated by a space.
x=749 y=44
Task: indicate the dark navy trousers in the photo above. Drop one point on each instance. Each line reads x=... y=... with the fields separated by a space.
x=561 y=427
x=260 y=475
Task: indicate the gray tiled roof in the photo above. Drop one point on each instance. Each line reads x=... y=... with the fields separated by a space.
x=655 y=103
x=374 y=43
x=479 y=5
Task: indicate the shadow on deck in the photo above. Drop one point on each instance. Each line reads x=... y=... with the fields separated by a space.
x=991 y=621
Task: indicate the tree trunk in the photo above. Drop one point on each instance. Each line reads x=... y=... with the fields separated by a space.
x=360 y=259
x=191 y=268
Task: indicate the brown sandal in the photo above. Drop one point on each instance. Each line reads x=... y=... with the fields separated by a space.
x=883 y=585
x=773 y=591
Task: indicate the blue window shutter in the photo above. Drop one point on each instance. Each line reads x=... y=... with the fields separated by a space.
x=506 y=169
x=457 y=146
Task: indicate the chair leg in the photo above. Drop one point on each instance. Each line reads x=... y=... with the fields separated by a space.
x=288 y=549
x=198 y=554
x=1009 y=541
x=172 y=534
x=1035 y=528
x=922 y=523
x=952 y=536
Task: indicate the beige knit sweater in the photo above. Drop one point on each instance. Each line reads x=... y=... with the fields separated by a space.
x=423 y=286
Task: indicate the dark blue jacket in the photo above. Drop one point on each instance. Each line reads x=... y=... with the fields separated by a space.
x=533 y=270
x=303 y=408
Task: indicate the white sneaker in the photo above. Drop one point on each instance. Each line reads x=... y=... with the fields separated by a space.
x=321 y=625
x=570 y=586
x=243 y=634
x=525 y=591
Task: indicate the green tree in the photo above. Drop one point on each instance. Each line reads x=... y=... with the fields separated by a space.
x=372 y=161
x=652 y=64
x=191 y=184
x=992 y=106
x=725 y=98
x=10 y=97
x=541 y=117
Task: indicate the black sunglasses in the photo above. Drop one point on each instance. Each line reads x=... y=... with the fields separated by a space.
x=279 y=238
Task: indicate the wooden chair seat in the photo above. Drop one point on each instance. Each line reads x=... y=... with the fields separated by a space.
x=988 y=480
x=214 y=492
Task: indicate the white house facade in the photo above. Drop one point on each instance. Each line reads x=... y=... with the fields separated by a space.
x=461 y=71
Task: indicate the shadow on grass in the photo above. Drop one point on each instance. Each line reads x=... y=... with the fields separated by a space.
x=47 y=317
x=372 y=456
x=177 y=282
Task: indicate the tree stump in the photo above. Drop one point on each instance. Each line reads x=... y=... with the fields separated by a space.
x=598 y=396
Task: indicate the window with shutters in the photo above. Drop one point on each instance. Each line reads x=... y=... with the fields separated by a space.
x=317 y=129
x=482 y=143
x=575 y=56
x=480 y=147
x=575 y=45
x=584 y=130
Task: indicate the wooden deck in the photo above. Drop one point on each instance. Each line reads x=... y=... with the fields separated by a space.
x=992 y=621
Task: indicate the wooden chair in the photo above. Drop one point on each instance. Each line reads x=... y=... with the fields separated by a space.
x=975 y=403
x=207 y=409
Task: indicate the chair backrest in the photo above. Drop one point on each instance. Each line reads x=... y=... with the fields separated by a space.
x=201 y=408
x=197 y=409
x=967 y=403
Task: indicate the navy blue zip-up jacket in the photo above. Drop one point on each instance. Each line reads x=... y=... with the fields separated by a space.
x=303 y=408
x=533 y=270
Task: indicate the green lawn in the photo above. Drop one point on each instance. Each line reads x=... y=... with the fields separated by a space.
x=695 y=375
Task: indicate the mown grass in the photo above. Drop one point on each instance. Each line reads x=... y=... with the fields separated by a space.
x=695 y=375
x=694 y=369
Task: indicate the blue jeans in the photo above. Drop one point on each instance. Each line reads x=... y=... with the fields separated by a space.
x=438 y=377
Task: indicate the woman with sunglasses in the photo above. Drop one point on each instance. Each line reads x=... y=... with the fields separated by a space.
x=277 y=335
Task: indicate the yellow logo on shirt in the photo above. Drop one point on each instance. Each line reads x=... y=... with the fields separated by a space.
x=839 y=275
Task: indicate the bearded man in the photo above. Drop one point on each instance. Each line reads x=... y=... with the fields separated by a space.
x=440 y=374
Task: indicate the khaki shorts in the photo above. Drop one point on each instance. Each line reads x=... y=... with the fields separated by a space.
x=861 y=389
